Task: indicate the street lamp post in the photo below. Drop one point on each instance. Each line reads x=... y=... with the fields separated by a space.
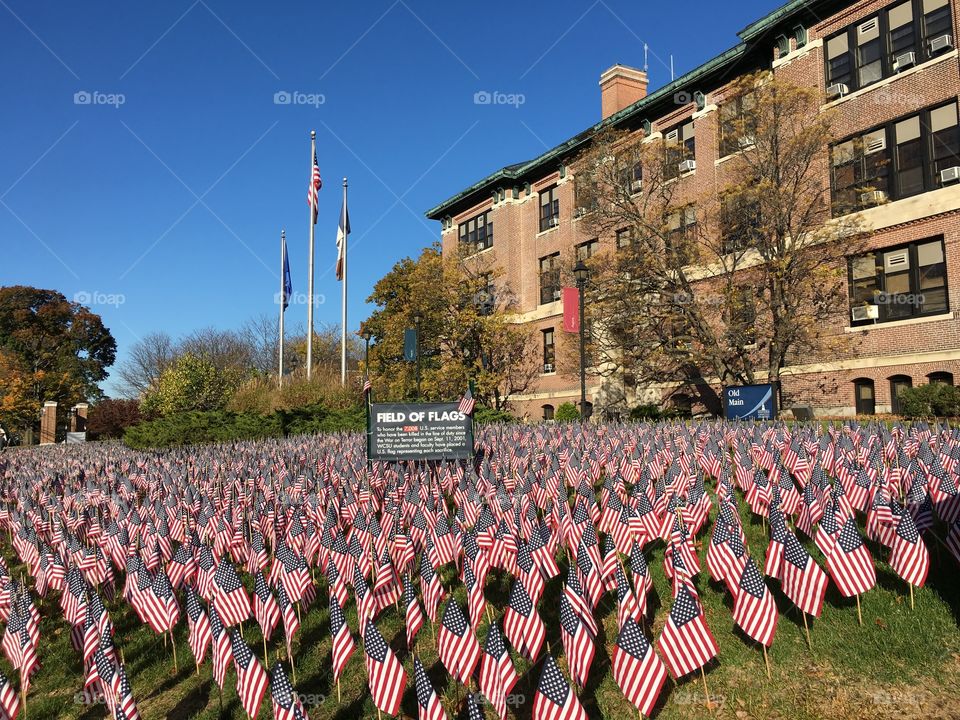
x=366 y=351
x=580 y=272
x=416 y=321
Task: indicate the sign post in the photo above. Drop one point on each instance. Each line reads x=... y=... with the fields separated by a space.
x=749 y=402
x=419 y=431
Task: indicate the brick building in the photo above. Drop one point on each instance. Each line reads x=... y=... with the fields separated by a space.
x=891 y=72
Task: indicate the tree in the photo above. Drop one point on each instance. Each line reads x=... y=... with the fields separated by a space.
x=19 y=407
x=109 y=418
x=60 y=348
x=146 y=360
x=193 y=382
x=466 y=332
x=736 y=284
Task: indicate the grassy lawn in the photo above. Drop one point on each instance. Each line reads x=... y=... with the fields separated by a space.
x=902 y=662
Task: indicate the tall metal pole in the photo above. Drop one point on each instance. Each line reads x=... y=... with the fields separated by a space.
x=283 y=289
x=581 y=286
x=343 y=313
x=313 y=210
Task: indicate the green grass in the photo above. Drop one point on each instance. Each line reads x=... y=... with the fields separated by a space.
x=902 y=662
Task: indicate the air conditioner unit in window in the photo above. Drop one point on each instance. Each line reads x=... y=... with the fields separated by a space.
x=579 y=212
x=745 y=141
x=688 y=166
x=950 y=175
x=672 y=136
x=636 y=186
x=908 y=59
x=556 y=294
x=837 y=90
x=865 y=312
x=875 y=144
x=896 y=261
x=873 y=197
x=548 y=367
x=553 y=222
x=941 y=43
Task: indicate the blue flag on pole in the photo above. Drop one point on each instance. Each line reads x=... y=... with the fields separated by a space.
x=287 y=283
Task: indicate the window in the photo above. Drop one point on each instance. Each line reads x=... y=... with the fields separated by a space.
x=741 y=318
x=940 y=377
x=549 y=278
x=624 y=238
x=681 y=235
x=865 y=170
x=737 y=123
x=880 y=46
x=739 y=218
x=549 y=208
x=898 y=383
x=631 y=178
x=898 y=283
x=587 y=250
x=547 y=412
x=585 y=201
x=549 y=352
x=477 y=233
x=486 y=299
x=863 y=396
x=679 y=145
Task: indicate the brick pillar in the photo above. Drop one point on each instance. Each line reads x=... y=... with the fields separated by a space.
x=78 y=418
x=48 y=423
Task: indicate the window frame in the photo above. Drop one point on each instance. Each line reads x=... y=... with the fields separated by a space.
x=487 y=232
x=685 y=149
x=921 y=44
x=552 y=210
x=729 y=142
x=881 y=284
x=553 y=271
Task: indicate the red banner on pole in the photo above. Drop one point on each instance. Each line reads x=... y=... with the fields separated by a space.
x=571 y=310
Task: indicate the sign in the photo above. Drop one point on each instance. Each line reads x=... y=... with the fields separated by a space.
x=419 y=431
x=571 y=310
x=749 y=402
x=410 y=344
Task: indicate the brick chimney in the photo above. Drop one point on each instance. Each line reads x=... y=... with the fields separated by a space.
x=621 y=86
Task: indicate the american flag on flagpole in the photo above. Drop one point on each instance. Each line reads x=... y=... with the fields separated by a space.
x=638 y=670
x=467 y=403
x=385 y=674
x=554 y=699
x=251 y=677
x=314 y=188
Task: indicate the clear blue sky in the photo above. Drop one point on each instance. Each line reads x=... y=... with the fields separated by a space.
x=173 y=200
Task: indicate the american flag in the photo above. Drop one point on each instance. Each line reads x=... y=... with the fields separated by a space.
x=230 y=598
x=265 y=608
x=754 y=609
x=467 y=403
x=286 y=702
x=314 y=187
x=343 y=645
x=222 y=651
x=909 y=559
x=458 y=648
x=160 y=605
x=251 y=677
x=9 y=702
x=578 y=641
x=803 y=580
x=125 y=706
x=686 y=643
x=497 y=674
x=849 y=563
x=554 y=699
x=199 y=634
x=522 y=623
x=291 y=623
x=384 y=672
x=638 y=670
x=428 y=703
x=414 y=615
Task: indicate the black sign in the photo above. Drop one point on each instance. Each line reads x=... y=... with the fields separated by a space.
x=419 y=431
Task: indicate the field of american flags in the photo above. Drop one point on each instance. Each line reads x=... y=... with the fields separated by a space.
x=303 y=519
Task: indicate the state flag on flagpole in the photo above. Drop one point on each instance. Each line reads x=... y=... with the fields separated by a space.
x=287 y=282
x=343 y=230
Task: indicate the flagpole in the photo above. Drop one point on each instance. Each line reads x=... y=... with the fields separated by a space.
x=283 y=289
x=343 y=313
x=313 y=209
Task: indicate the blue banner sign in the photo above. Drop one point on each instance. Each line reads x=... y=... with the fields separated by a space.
x=749 y=402
x=410 y=344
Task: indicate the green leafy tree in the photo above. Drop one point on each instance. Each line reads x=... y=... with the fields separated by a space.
x=567 y=412
x=193 y=382
x=55 y=350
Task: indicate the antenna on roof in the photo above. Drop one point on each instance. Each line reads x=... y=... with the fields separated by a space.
x=671 y=68
x=646 y=65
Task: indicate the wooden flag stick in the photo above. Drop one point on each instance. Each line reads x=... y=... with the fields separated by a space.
x=859 y=612
x=266 y=655
x=338 y=691
x=241 y=628
x=174 y=644
x=806 y=629
x=706 y=693
x=911 y=595
x=766 y=659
